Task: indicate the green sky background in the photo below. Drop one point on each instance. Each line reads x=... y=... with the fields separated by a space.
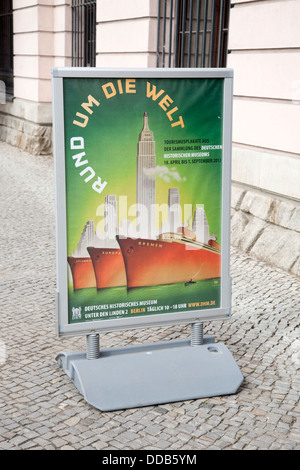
x=111 y=137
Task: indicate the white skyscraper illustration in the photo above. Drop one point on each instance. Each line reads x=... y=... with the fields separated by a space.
x=110 y=221
x=87 y=238
x=145 y=185
x=110 y=216
x=174 y=209
x=200 y=225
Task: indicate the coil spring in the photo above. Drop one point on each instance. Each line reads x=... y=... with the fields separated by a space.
x=197 y=334
x=92 y=347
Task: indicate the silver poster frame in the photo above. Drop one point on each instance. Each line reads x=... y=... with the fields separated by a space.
x=64 y=329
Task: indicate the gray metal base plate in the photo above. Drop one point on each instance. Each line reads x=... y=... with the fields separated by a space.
x=152 y=374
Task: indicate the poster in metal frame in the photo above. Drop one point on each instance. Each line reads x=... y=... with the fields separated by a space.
x=129 y=140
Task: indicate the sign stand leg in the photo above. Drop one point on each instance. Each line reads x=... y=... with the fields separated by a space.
x=197 y=334
x=92 y=346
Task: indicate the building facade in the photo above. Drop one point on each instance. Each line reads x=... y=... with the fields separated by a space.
x=264 y=45
x=259 y=39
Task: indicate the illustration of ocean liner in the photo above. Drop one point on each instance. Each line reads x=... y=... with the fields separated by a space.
x=80 y=263
x=108 y=267
x=107 y=258
x=173 y=257
x=82 y=272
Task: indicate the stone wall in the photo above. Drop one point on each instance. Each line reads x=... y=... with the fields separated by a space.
x=266 y=227
x=26 y=135
x=27 y=125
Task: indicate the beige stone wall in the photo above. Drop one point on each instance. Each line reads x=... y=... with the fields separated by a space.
x=266 y=227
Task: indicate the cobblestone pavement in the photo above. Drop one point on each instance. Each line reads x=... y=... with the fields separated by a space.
x=40 y=408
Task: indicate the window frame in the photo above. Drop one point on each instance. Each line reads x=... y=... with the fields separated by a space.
x=6 y=44
x=84 y=33
x=192 y=33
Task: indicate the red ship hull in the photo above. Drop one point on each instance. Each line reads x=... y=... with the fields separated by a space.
x=108 y=267
x=82 y=273
x=155 y=262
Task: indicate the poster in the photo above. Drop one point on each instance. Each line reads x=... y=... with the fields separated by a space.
x=142 y=181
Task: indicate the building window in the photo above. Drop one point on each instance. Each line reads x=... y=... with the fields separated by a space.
x=84 y=33
x=192 y=33
x=6 y=47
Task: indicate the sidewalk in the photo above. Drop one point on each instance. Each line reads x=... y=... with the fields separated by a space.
x=40 y=408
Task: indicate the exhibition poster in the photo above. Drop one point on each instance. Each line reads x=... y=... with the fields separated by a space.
x=143 y=188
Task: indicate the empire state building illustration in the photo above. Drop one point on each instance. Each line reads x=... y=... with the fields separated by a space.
x=145 y=184
x=142 y=256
